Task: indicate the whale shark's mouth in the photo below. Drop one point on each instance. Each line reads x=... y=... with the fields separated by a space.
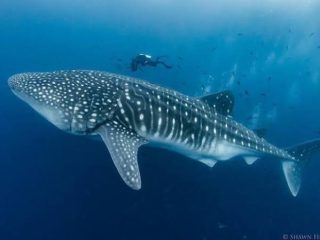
x=18 y=81
x=53 y=115
x=12 y=81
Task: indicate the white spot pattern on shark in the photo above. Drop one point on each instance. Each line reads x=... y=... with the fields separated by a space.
x=128 y=112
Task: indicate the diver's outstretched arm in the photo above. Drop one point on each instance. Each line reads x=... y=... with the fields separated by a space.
x=165 y=65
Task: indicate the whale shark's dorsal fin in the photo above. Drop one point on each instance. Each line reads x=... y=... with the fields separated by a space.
x=123 y=147
x=222 y=102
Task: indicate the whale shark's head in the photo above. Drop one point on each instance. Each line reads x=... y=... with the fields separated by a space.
x=74 y=101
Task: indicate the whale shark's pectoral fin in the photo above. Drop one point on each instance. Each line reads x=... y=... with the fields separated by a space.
x=123 y=146
x=222 y=102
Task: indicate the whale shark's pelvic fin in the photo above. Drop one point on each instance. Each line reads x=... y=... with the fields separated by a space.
x=250 y=159
x=293 y=169
x=123 y=146
x=209 y=162
x=222 y=102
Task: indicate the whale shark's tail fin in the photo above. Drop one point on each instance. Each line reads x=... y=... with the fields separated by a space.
x=293 y=169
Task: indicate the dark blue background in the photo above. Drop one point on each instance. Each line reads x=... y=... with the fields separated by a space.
x=58 y=186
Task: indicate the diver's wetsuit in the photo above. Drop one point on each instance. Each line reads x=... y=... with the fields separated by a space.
x=146 y=60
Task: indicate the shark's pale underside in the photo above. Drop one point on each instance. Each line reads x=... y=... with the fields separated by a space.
x=128 y=113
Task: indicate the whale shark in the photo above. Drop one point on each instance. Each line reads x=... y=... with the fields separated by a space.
x=127 y=113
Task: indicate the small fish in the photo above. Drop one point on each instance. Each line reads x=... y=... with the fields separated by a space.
x=221 y=225
x=263 y=94
x=246 y=92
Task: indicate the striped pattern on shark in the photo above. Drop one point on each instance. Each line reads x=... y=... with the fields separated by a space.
x=128 y=113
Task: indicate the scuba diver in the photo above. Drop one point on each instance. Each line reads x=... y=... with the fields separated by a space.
x=146 y=60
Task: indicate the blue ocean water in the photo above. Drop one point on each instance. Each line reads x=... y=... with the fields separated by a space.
x=59 y=186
